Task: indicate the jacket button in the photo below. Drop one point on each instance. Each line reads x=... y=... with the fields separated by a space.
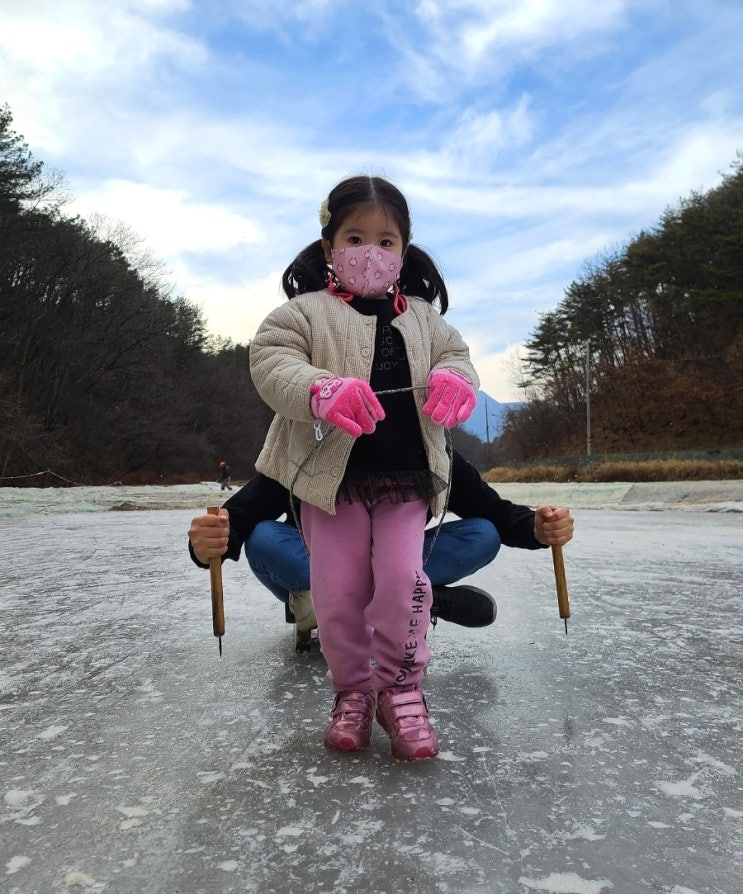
x=365 y=352
x=335 y=472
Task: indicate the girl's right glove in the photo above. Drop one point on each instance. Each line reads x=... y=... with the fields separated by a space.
x=349 y=404
x=451 y=398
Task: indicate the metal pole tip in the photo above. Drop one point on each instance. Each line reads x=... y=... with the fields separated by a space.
x=220 y=645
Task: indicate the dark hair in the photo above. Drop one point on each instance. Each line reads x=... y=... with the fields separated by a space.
x=419 y=277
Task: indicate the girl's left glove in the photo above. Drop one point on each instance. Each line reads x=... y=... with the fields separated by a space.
x=451 y=398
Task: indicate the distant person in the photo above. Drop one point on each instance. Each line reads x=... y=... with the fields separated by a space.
x=224 y=476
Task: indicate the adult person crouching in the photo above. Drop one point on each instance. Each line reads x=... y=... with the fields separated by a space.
x=277 y=557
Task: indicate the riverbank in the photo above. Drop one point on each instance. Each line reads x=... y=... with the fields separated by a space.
x=711 y=496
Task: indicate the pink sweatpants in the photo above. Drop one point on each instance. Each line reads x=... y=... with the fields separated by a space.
x=371 y=597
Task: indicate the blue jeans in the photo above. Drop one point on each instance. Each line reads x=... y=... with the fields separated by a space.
x=278 y=559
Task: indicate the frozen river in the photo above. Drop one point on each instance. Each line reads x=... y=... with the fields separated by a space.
x=134 y=759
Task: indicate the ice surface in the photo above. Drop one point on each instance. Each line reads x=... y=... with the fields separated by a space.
x=134 y=759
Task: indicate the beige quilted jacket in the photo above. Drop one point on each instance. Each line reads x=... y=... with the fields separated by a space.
x=317 y=335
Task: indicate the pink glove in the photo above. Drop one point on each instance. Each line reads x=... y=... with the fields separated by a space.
x=451 y=398
x=350 y=404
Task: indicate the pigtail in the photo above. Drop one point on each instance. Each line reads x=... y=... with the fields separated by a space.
x=308 y=272
x=421 y=277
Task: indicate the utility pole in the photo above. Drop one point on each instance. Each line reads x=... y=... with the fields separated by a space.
x=487 y=434
x=588 y=397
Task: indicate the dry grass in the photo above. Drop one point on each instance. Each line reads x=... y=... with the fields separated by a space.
x=652 y=470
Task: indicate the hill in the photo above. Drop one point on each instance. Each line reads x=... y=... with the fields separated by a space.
x=488 y=417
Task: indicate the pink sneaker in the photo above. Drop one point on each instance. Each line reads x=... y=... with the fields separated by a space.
x=350 y=728
x=403 y=713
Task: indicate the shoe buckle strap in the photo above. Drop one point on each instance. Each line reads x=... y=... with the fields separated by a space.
x=353 y=704
x=402 y=706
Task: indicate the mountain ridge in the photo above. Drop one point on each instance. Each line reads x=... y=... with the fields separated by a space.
x=488 y=417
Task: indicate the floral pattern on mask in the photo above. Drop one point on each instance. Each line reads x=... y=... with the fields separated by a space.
x=366 y=270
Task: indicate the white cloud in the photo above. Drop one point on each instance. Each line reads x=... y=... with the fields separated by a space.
x=498 y=371
x=167 y=219
x=236 y=311
x=527 y=136
x=533 y=24
x=705 y=151
x=479 y=136
x=69 y=66
x=497 y=33
x=86 y=38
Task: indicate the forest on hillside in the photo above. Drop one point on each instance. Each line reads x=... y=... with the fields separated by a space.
x=649 y=338
x=106 y=376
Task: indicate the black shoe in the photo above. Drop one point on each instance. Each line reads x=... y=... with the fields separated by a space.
x=463 y=604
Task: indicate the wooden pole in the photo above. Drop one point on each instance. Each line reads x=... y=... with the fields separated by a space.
x=215 y=576
x=563 y=603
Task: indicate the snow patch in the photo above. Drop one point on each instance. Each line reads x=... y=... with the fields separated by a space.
x=206 y=778
x=683 y=789
x=15 y=864
x=531 y=756
x=19 y=798
x=566 y=883
x=133 y=811
x=77 y=879
x=51 y=732
x=21 y=803
x=451 y=757
x=360 y=780
x=584 y=833
x=316 y=779
x=704 y=758
x=293 y=831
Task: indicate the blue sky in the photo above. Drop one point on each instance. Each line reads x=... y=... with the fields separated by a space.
x=529 y=137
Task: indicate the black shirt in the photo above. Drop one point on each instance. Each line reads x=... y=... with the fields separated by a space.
x=396 y=445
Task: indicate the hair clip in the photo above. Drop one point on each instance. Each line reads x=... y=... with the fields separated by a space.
x=324 y=214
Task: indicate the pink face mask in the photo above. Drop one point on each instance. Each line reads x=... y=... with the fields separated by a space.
x=366 y=270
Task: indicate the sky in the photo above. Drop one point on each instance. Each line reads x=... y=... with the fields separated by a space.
x=530 y=138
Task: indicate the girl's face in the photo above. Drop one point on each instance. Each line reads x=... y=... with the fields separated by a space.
x=369 y=225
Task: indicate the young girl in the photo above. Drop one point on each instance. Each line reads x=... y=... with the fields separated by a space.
x=367 y=467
